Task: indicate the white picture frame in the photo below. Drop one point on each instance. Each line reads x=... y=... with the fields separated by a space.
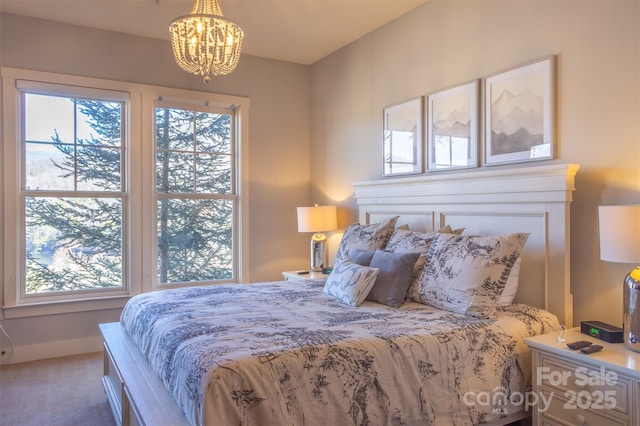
x=402 y=138
x=519 y=114
x=452 y=128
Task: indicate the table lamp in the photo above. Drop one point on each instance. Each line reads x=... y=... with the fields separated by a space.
x=620 y=242
x=317 y=219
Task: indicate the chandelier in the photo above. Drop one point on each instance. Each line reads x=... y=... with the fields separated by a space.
x=204 y=42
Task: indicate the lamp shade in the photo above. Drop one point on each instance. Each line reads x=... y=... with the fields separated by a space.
x=317 y=219
x=620 y=233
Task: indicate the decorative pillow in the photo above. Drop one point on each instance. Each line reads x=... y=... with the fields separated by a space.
x=394 y=277
x=365 y=237
x=362 y=258
x=405 y=241
x=447 y=230
x=467 y=274
x=350 y=282
x=511 y=288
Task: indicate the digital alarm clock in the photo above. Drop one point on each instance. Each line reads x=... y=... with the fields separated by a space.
x=602 y=331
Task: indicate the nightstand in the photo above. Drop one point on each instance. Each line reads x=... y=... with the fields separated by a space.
x=294 y=275
x=572 y=388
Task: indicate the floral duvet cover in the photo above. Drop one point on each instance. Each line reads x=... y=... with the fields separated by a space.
x=285 y=353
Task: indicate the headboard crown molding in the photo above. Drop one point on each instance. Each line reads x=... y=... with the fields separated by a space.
x=532 y=199
x=552 y=182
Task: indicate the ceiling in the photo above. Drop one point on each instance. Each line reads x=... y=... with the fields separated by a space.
x=300 y=31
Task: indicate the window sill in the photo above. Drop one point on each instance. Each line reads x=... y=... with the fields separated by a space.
x=65 y=307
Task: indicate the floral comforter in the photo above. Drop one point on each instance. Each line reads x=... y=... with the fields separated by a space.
x=285 y=353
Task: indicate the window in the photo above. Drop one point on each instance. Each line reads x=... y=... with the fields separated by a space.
x=72 y=191
x=195 y=194
x=110 y=191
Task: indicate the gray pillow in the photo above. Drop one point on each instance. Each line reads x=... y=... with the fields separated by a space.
x=361 y=257
x=394 y=277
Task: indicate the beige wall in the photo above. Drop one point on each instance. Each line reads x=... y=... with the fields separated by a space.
x=445 y=43
x=279 y=147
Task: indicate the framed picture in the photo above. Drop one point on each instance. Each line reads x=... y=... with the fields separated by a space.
x=402 y=138
x=519 y=114
x=452 y=128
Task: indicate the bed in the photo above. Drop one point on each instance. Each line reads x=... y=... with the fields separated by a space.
x=289 y=353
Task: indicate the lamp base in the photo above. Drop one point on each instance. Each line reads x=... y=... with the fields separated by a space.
x=631 y=315
x=318 y=251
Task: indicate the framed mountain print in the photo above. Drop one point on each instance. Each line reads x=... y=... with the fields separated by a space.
x=402 y=138
x=452 y=128
x=519 y=114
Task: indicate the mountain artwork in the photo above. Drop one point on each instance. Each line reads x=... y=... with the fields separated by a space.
x=519 y=114
x=453 y=127
x=517 y=122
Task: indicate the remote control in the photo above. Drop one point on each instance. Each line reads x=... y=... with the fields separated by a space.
x=591 y=349
x=579 y=345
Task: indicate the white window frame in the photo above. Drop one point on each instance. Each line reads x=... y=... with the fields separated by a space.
x=139 y=271
x=25 y=86
x=204 y=106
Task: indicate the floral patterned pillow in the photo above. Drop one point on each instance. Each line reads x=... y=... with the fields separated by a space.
x=405 y=241
x=448 y=230
x=467 y=274
x=511 y=287
x=365 y=238
x=350 y=282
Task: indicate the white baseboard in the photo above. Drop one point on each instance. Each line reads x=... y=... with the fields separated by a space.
x=56 y=349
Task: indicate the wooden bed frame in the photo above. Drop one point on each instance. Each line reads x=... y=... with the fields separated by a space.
x=534 y=199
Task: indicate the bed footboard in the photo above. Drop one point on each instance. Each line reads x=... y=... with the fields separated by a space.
x=135 y=393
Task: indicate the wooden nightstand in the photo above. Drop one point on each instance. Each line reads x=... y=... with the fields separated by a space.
x=599 y=389
x=295 y=275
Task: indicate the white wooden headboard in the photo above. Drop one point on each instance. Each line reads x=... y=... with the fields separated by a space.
x=532 y=199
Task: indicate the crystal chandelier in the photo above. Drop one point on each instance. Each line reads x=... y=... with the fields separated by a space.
x=204 y=42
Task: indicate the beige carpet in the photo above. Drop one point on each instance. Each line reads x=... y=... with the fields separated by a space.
x=60 y=392
x=57 y=392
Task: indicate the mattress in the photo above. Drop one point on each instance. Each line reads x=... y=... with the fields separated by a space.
x=285 y=353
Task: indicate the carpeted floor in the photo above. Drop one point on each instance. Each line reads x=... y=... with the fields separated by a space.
x=60 y=392
x=56 y=392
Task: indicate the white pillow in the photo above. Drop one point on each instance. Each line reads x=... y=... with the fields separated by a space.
x=350 y=282
x=511 y=288
x=467 y=274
